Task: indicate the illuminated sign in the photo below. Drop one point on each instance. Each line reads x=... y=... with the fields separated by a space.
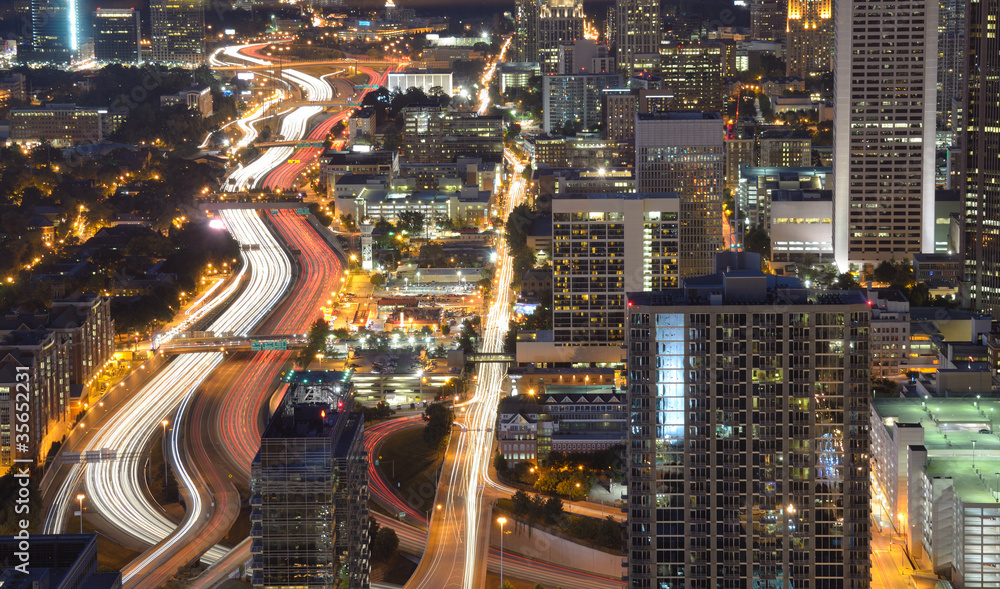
x=364 y=23
x=230 y=32
x=244 y=76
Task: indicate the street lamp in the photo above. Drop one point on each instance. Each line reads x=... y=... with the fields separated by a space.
x=165 y=423
x=501 y=520
x=80 y=498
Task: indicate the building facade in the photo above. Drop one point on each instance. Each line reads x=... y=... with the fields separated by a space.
x=560 y=22
x=526 y=22
x=117 y=35
x=63 y=125
x=809 y=50
x=178 y=28
x=693 y=73
x=309 y=485
x=682 y=152
x=432 y=134
x=575 y=99
x=636 y=27
x=50 y=31
x=596 y=245
x=748 y=438
x=982 y=170
x=884 y=131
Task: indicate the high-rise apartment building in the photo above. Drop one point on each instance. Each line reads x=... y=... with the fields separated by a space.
x=982 y=169
x=309 y=489
x=560 y=22
x=884 y=130
x=50 y=30
x=682 y=152
x=693 y=73
x=575 y=99
x=637 y=30
x=748 y=437
x=178 y=31
x=117 y=35
x=809 y=50
x=604 y=245
x=526 y=23
x=951 y=69
x=767 y=19
x=433 y=134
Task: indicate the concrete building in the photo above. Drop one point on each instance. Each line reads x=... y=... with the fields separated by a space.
x=564 y=418
x=934 y=464
x=585 y=56
x=620 y=107
x=636 y=30
x=197 y=97
x=434 y=134
x=63 y=125
x=800 y=223
x=890 y=328
x=575 y=99
x=809 y=48
x=596 y=245
x=178 y=28
x=748 y=434
x=15 y=84
x=981 y=169
x=516 y=76
x=560 y=22
x=784 y=149
x=309 y=481
x=58 y=561
x=682 y=152
x=768 y=20
x=469 y=207
x=117 y=35
x=465 y=171
x=362 y=122
x=884 y=113
x=757 y=184
x=402 y=81
x=693 y=74
x=337 y=164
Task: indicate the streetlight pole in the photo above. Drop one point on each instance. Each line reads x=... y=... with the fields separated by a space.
x=164 y=423
x=80 y=498
x=501 y=520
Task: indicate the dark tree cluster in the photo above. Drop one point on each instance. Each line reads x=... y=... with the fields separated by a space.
x=439 y=419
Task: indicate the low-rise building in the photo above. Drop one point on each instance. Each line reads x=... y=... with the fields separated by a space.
x=196 y=96
x=425 y=80
x=63 y=125
x=564 y=418
x=801 y=226
x=362 y=122
x=433 y=134
x=890 y=332
x=335 y=164
x=469 y=207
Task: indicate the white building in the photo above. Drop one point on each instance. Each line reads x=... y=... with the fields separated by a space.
x=883 y=129
x=402 y=81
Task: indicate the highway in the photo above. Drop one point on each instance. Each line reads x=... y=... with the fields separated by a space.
x=114 y=488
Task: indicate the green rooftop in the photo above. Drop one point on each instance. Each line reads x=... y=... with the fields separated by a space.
x=948 y=423
x=971 y=486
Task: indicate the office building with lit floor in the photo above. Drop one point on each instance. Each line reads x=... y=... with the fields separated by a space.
x=604 y=245
x=748 y=437
x=309 y=489
x=178 y=31
x=117 y=35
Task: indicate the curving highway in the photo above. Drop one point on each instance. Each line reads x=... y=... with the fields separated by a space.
x=114 y=488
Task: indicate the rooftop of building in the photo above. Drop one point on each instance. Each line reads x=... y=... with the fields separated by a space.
x=754 y=171
x=317 y=376
x=889 y=295
x=974 y=481
x=679 y=116
x=583 y=173
x=784 y=134
x=541 y=226
x=333 y=156
x=944 y=314
x=801 y=195
x=562 y=394
x=614 y=195
x=938 y=258
x=949 y=423
x=390 y=196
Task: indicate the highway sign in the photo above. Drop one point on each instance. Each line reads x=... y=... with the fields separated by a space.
x=302 y=211
x=259 y=346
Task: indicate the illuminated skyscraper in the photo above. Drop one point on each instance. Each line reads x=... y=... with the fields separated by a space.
x=178 y=31
x=748 y=438
x=982 y=168
x=560 y=22
x=526 y=19
x=809 y=50
x=767 y=19
x=951 y=66
x=637 y=30
x=51 y=30
x=116 y=35
x=884 y=130
x=682 y=152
